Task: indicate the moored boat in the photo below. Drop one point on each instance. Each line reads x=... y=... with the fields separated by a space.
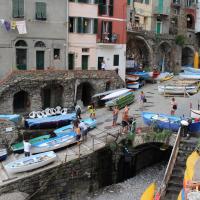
x=54 y=143
x=31 y=162
x=195 y=113
x=133 y=85
x=173 y=89
x=189 y=76
x=3 y=154
x=191 y=69
x=132 y=77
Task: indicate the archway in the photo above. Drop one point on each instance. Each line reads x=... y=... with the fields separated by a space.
x=21 y=55
x=139 y=51
x=187 y=57
x=84 y=93
x=21 y=102
x=163 y=56
x=52 y=96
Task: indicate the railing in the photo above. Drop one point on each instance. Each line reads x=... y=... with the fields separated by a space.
x=161 y=11
x=170 y=165
x=109 y=38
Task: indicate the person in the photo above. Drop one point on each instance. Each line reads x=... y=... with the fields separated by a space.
x=83 y=129
x=173 y=106
x=125 y=119
x=78 y=111
x=27 y=148
x=77 y=131
x=115 y=115
x=92 y=112
x=103 y=65
x=142 y=99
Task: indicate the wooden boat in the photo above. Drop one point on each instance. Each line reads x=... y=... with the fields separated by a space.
x=132 y=77
x=173 y=89
x=31 y=162
x=132 y=85
x=3 y=154
x=90 y=123
x=54 y=143
x=195 y=113
x=50 y=121
x=189 y=76
x=19 y=147
x=121 y=101
x=14 y=118
x=115 y=94
x=144 y=75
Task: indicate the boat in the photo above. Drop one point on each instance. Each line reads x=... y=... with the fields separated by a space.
x=144 y=75
x=90 y=123
x=115 y=94
x=168 y=77
x=14 y=118
x=162 y=121
x=19 y=147
x=50 y=121
x=54 y=143
x=173 y=89
x=132 y=77
x=164 y=76
x=133 y=85
x=191 y=69
x=121 y=101
x=170 y=122
x=3 y=154
x=30 y=163
x=189 y=76
x=195 y=114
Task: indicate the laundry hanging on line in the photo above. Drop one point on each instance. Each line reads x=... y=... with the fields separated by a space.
x=21 y=27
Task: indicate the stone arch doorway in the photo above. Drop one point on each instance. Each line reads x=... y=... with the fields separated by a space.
x=84 y=93
x=190 y=21
x=52 y=96
x=187 y=57
x=21 y=102
x=163 y=56
x=139 y=51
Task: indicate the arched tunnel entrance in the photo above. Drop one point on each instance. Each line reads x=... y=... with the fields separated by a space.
x=84 y=93
x=187 y=57
x=21 y=102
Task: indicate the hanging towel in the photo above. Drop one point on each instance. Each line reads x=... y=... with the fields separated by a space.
x=7 y=25
x=2 y=21
x=13 y=25
x=21 y=27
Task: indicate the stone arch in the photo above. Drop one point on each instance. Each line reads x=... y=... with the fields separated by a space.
x=21 y=54
x=85 y=90
x=187 y=56
x=163 y=56
x=40 y=44
x=21 y=102
x=52 y=95
x=139 y=50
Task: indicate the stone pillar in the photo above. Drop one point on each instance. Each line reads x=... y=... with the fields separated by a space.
x=68 y=94
x=6 y=104
x=36 y=100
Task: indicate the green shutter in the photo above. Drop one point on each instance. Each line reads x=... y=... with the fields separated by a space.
x=21 y=8
x=111 y=8
x=95 y=28
x=128 y=2
x=40 y=10
x=80 y=25
x=15 y=8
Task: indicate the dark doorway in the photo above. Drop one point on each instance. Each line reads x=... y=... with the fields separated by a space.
x=71 y=61
x=21 y=59
x=100 y=59
x=187 y=57
x=40 y=60
x=84 y=93
x=52 y=96
x=85 y=59
x=21 y=102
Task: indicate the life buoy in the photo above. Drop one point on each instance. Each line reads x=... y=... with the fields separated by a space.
x=39 y=114
x=64 y=111
x=58 y=110
x=44 y=114
x=32 y=115
x=53 y=111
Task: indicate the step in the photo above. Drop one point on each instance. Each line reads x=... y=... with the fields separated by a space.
x=175 y=183
x=180 y=164
x=170 y=196
x=174 y=189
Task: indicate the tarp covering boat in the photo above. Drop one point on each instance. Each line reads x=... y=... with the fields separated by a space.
x=14 y=118
x=31 y=162
x=50 y=122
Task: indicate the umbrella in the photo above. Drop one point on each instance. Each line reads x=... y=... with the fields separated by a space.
x=149 y=192
x=196 y=60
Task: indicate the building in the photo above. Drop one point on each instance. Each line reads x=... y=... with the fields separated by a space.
x=33 y=35
x=111 y=37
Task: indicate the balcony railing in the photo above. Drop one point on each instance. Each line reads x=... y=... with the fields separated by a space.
x=110 y=38
x=106 y=10
x=162 y=11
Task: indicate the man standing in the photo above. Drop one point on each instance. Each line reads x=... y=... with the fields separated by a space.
x=84 y=130
x=27 y=148
x=78 y=111
x=103 y=65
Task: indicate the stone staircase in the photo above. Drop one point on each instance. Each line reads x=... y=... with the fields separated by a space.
x=175 y=183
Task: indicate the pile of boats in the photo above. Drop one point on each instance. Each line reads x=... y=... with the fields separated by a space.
x=190 y=73
x=43 y=147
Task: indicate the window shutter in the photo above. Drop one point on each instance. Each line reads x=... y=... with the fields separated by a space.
x=43 y=10
x=21 y=8
x=95 y=27
x=15 y=8
x=111 y=8
x=40 y=10
x=80 y=25
x=37 y=10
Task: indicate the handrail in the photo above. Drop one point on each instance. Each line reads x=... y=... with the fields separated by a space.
x=170 y=165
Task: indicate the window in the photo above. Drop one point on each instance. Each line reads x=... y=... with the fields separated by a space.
x=85 y=50
x=116 y=60
x=72 y=25
x=85 y=62
x=71 y=61
x=86 y=25
x=40 y=44
x=40 y=11
x=18 y=8
x=56 y=53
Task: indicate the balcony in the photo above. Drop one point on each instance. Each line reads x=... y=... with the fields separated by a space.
x=161 y=11
x=135 y=27
x=106 y=10
x=108 y=39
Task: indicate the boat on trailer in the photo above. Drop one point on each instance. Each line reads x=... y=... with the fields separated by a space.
x=30 y=163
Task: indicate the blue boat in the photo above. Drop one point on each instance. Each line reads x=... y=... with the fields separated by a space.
x=14 y=118
x=144 y=75
x=50 y=121
x=3 y=154
x=191 y=70
x=54 y=143
x=91 y=123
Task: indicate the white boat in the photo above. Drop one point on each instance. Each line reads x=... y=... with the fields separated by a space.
x=191 y=69
x=133 y=85
x=171 y=89
x=31 y=162
x=116 y=94
x=195 y=113
x=132 y=77
x=189 y=76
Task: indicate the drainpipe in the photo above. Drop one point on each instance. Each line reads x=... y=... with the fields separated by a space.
x=67 y=36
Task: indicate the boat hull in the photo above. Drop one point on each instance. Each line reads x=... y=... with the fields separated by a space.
x=14 y=118
x=3 y=154
x=195 y=113
x=133 y=85
x=189 y=76
x=31 y=162
x=132 y=78
x=177 y=89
